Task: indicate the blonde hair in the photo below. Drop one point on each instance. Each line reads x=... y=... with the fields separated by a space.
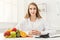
x=37 y=12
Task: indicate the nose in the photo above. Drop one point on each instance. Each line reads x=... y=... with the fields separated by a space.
x=32 y=10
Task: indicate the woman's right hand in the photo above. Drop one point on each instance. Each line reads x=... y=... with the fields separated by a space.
x=34 y=32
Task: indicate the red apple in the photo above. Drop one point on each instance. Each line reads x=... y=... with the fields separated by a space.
x=7 y=33
x=14 y=29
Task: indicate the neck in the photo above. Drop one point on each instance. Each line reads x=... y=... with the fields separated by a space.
x=33 y=18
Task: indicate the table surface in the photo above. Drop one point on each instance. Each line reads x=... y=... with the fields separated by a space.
x=3 y=38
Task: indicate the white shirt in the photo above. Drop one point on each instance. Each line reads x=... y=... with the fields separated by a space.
x=40 y=25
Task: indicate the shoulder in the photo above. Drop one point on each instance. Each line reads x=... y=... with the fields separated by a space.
x=42 y=20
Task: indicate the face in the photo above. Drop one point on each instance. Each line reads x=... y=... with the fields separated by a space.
x=32 y=10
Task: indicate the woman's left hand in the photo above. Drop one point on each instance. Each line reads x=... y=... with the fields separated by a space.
x=35 y=32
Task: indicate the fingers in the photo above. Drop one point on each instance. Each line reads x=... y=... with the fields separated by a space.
x=34 y=32
x=30 y=33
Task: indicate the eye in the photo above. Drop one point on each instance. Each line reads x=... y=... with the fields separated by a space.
x=30 y=8
x=34 y=8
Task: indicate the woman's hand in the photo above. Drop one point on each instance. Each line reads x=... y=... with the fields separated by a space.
x=34 y=32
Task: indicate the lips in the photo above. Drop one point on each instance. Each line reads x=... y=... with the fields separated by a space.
x=32 y=13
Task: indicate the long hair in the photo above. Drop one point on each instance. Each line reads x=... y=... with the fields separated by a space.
x=37 y=12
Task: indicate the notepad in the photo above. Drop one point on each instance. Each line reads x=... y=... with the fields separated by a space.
x=55 y=36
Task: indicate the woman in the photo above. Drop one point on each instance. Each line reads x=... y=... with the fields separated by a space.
x=34 y=24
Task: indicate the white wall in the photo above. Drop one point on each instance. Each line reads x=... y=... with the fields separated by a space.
x=20 y=8
x=53 y=13
x=8 y=10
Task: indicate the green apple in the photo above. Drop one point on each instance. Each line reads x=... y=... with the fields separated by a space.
x=13 y=34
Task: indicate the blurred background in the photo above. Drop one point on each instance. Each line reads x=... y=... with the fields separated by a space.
x=13 y=12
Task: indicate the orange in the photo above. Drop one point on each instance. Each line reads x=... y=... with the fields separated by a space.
x=23 y=34
x=9 y=30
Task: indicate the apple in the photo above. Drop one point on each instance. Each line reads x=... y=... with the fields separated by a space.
x=7 y=33
x=13 y=34
x=9 y=30
x=14 y=29
x=6 y=36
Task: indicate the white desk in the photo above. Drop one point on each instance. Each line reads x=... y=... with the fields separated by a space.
x=2 y=38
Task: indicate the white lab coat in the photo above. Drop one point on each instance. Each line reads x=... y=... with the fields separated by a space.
x=40 y=25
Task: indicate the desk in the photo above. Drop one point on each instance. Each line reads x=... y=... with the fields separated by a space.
x=3 y=38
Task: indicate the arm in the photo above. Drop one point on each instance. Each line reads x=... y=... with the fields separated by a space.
x=47 y=29
x=20 y=25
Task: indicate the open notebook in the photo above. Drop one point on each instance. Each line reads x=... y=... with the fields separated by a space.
x=55 y=36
